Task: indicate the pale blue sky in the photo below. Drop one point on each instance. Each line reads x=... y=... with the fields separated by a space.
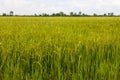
x=50 y=6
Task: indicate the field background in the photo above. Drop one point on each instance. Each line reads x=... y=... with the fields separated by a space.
x=59 y=48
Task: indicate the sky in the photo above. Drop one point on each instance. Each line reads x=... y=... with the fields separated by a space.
x=52 y=6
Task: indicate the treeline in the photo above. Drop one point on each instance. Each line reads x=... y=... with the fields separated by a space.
x=75 y=14
x=62 y=14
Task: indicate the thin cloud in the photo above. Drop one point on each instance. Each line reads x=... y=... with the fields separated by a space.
x=50 y=6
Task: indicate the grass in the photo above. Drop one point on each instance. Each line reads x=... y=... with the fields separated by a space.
x=59 y=48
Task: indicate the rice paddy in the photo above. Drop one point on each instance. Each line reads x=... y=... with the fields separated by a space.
x=59 y=48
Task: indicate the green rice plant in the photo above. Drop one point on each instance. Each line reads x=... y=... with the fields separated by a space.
x=59 y=48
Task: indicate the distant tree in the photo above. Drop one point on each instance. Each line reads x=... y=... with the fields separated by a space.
x=4 y=14
x=94 y=14
x=40 y=15
x=45 y=14
x=104 y=14
x=11 y=13
x=75 y=14
x=110 y=14
x=53 y=14
x=35 y=14
x=80 y=13
x=57 y=14
x=83 y=14
x=61 y=13
x=71 y=13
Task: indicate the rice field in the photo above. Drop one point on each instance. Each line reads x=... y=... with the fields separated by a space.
x=59 y=48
